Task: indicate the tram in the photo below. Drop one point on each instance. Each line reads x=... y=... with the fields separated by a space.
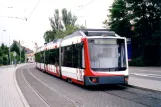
x=88 y=57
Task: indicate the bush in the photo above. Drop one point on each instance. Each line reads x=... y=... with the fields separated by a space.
x=137 y=62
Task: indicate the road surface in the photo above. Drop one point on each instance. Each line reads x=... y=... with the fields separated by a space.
x=44 y=90
x=146 y=77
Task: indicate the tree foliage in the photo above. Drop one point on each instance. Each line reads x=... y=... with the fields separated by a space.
x=61 y=26
x=119 y=19
x=49 y=35
x=17 y=50
x=3 y=55
x=145 y=17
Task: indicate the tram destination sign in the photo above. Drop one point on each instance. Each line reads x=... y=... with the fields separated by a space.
x=105 y=41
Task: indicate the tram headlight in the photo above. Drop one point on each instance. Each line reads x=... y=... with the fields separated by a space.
x=94 y=79
x=126 y=78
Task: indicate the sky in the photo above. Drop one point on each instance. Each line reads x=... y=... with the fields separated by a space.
x=31 y=31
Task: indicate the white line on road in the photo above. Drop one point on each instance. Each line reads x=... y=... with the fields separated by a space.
x=70 y=100
x=144 y=70
x=147 y=75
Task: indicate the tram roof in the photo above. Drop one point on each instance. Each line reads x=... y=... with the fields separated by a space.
x=87 y=33
x=92 y=32
x=98 y=32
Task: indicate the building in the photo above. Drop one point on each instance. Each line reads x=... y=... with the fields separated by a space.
x=30 y=57
x=29 y=54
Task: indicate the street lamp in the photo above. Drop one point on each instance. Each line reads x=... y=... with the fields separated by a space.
x=9 y=51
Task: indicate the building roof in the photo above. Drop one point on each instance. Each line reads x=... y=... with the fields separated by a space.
x=27 y=50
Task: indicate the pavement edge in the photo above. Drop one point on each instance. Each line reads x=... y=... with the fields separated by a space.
x=22 y=98
x=142 y=88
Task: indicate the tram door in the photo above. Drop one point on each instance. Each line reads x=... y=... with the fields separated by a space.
x=79 y=60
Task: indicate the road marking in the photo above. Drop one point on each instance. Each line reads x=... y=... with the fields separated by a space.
x=51 y=88
x=147 y=75
x=35 y=91
x=144 y=70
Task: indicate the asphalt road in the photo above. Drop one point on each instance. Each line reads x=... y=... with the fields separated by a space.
x=44 y=90
x=153 y=73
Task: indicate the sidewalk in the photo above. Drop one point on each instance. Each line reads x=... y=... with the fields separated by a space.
x=145 y=83
x=10 y=93
x=6 y=66
x=145 y=77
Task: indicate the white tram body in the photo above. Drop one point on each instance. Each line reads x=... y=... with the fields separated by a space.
x=87 y=57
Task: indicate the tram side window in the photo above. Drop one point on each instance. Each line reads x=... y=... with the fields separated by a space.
x=53 y=56
x=57 y=56
x=37 y=57
x=67 y=61
x=47 y=57
x=72 y=56
x=42 y=57
x=77 y=56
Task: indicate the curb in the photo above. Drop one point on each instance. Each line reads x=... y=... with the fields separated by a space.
x=22 y=98
x=142 y=88
x=6 y=66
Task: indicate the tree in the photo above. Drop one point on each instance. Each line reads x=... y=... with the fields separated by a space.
x=23 y=55
x=68 y=18
x=55 y=21
x=119 y=19
x=49 y=35
x=3 y=54
x=145 y=15
x=61 y=26
x=15 y=48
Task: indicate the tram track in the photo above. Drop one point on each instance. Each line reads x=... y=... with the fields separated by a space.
x=35 y=91
x=150 y=94
x=108 y=96
x=121 y=91
x=133 y=94
x=74 y=104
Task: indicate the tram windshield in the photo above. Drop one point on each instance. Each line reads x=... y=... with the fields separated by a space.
x=107 y=54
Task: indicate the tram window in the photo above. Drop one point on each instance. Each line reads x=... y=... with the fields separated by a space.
x=38 y=57
x=75 y=56
x=47 y=57
x=72 y=56
x=67 y=56
x=57 y=56
x=53 y=56
x=42 y=57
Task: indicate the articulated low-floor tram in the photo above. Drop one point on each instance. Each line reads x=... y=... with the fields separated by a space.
x=87 y=57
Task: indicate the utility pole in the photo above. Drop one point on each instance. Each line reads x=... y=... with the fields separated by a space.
x=9 y=52
x=85 y=23
x=20 y=51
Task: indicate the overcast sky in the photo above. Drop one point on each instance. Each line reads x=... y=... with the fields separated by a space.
x=33 y=29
